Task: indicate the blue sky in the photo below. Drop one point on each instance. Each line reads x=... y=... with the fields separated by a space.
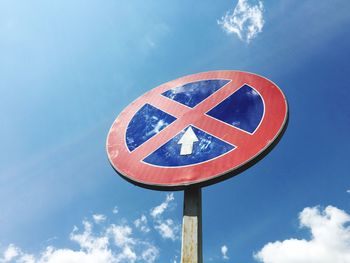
x=67 y=68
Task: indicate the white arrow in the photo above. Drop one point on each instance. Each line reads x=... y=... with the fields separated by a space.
x=187 y=141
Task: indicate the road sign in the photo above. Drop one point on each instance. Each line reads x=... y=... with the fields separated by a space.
x=197 y=130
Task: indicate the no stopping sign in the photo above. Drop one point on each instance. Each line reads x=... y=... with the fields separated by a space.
x=197 y=130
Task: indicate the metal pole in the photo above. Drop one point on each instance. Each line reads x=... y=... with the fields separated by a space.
x=191 y=251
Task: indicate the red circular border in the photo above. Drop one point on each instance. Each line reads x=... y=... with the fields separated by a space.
x=249 y=146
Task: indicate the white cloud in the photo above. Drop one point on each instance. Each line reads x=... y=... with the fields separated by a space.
x=115 y=210
x=114 y=244
x=150 y=254
x=122 y=235
x=141 y=224
x=159 y=210
x=246 y=20
x=25 y=258
x=52 y=255
x=348 y=191
x=167 y=229
x=153 y=37
x=127 y=255
x=330 y=240
x=106 y=243
x=98 y=218
x=11 y=252
x=224 y=250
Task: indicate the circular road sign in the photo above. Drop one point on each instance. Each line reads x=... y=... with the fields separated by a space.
x=197 y=130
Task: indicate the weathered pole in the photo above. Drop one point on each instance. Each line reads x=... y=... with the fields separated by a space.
x=191 y=250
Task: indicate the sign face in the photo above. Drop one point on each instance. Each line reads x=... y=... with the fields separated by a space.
x=197 y=130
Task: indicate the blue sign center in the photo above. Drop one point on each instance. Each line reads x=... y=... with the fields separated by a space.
x=206 y=148
x=243 y=109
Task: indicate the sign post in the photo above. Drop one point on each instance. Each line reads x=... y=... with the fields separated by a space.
x=196 y=131
x=191 y=250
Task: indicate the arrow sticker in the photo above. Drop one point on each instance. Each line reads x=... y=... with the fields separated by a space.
x=187 y=141
x=180 y=150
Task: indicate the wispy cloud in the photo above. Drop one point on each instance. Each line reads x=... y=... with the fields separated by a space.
x=98 y=218
x=246 y=20
x=142 y=224
x=115 y=210
x=159 y=210
x=150 y=255
x=330 y=239
x=167 y=228
x=224 y=250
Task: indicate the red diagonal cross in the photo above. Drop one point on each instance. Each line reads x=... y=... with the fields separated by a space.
x=196 y=116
